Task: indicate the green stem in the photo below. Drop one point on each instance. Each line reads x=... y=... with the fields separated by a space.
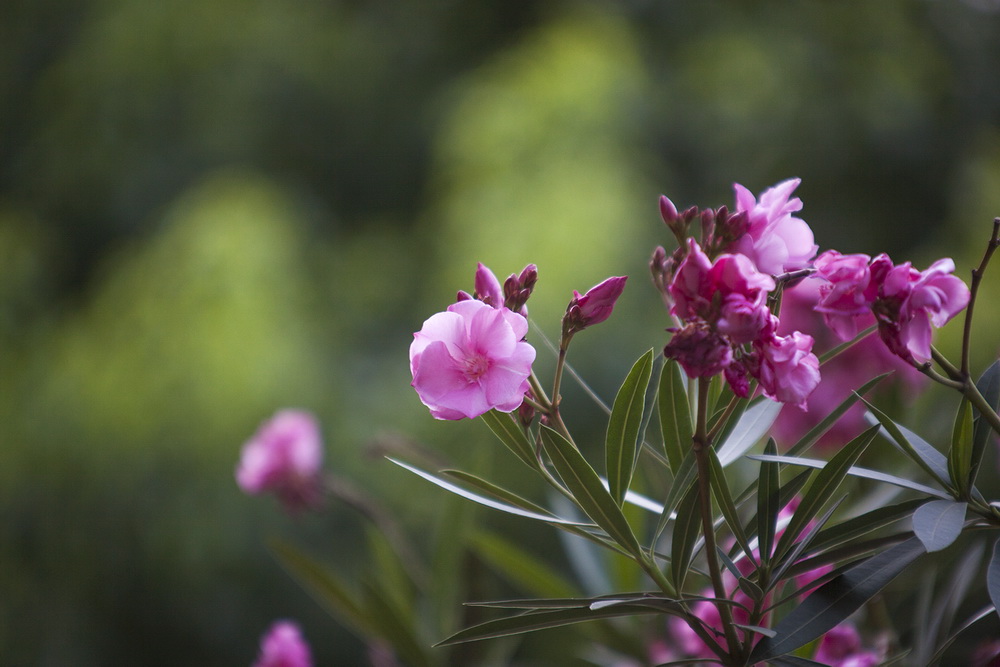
x=700 y=445
x=977 y=277
x=944 y=363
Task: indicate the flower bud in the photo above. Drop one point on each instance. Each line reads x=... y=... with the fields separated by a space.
x=593 y=307
x=517 y=289
x=488 y=288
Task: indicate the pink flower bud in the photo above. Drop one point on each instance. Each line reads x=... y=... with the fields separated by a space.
x=284 y=458
x=283 y=646
x=488 y=289
x=595 y=306
x=668 y=211
x=471 y=359
x=700 y=351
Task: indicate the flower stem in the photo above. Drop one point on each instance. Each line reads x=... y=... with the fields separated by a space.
x=977 y=277
x=700 y=444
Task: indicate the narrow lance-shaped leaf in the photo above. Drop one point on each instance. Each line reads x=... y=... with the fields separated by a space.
x=919 y=450
x=755 y=422
x=993 y=576
x=720 y=487
x=817 y=431
x=989 y=386
x=588 y=491
x=939 y=523
x=685 y=534
x=511 y=435
x=623 y=426
x=768 y=488
x=960 y=454
x=675 y=414
x=396 y=626
x=683 y=479
x=836 y=600
x=823 y=487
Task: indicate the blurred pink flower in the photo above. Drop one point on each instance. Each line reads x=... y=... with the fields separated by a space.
x=283 y=646
x=596 y=305
x=284 y=457
x=841 y=647
x=775 y=240
x=471 y=359
x=789 y=371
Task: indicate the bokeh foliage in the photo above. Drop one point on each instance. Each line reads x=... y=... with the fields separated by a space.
x=211 y=210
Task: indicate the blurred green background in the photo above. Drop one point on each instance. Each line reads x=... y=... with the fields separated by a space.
x=213 y=209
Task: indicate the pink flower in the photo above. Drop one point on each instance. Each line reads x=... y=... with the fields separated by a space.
x=699 y=350
x=284 y=457
x=910 y=301
x=841 y=647
x=691 y=287
x=471 y=359
x=843 y=300
x=488 y=289
x=775 y=241
x=283 y=646
x=789 y=371
x=595 y=306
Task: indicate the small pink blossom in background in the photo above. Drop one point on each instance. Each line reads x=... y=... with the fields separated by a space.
x=789 y=371
x=471 y=359
x=841 y=375
x=987 y=654
x=841 y=647
x=283 y=646
x=776 y=241
x=595 y=306
x=284 y=458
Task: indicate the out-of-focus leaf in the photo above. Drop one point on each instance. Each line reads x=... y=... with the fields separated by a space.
x=512 y=435
x=993 y=576
x=538 y=620
x=488 y=502
x=720 y=487
x=855 y=471
x=675 y=414
x=755 y=422
x=323 y=585
x=822 y=488
x=939 y=523
x=586 y=487
x=521 y=568
x=685 y=534
x=989 y=386
x=860 y=525
x=988 y=610
x=817 y=431
x=396 y=626
x=919 y=450
x=836 y=600
x=960 y=454
x=768 y=485
x=834 y=352
x=620 y=445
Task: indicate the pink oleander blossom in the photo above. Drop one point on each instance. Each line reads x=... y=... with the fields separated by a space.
x=284 y=457
x=910 y=301
x=841 y=647
x=700 y=351
x=789 y=371
x=283 y=646
x=471 y=359
x=595 y=305
x=843 y=300
x=775 y=241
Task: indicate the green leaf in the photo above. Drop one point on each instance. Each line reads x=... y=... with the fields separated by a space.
x=496 y=491
x=323 y=585
x=720 y=487
x=538 y=620
x=939 y=523
x=512 y=435
x=683 y=479
x=988 y=610
x=993 y=576
x=817 y=431
x=675 y=414
x=768 y=506
x=396 y=626
x=752 y=426
x=855 y=527
x=960 y=454
x=488 y=502
x=687 y=527
x=822 y=488
x=521 y=568
x=836 y=600
x=621 y=443
x=919 y=450
x=588 y=491
x=855 y=471
x=989 y=386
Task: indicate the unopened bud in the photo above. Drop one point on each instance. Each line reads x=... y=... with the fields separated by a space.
x=593 y=307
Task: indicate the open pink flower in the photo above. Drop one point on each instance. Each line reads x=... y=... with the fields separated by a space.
x=471 y=359
x=283 y=646
x=789 y=371
x=284 y=458
x=844 y=301
x=776 y=241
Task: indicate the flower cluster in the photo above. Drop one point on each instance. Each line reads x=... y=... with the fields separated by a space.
x=904 y=301
x=722 y=304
